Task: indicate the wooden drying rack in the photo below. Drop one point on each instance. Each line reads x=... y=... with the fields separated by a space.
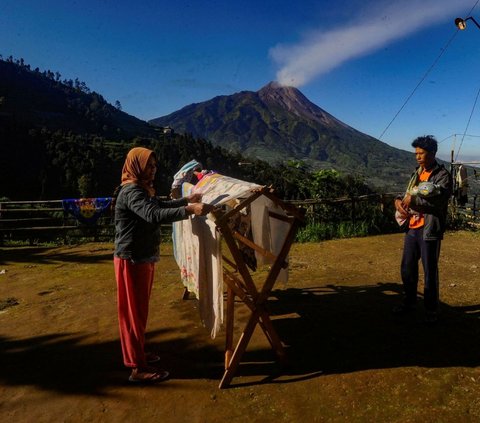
x=240 y=283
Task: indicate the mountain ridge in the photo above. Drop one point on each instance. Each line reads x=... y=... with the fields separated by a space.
x=278 y=123
x=43 y=99
x=58 y=139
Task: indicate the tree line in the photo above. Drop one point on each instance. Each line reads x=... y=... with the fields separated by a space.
x=45 y=164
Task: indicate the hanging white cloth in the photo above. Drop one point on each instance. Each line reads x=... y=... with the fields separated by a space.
x=269 y=232
x=197 y=243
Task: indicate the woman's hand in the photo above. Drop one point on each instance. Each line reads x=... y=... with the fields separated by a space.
x=194 y=198
x=199 y=209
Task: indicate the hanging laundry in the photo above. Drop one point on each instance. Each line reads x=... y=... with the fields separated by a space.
x=197 y=246
x=461 y=184
x=87 y=210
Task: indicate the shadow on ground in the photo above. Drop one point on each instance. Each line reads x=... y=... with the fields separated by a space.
x=326 y=330
x=45 y=255
x=341 y=329
x=69 y=364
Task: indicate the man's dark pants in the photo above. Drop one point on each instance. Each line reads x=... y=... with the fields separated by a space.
x=414 y=249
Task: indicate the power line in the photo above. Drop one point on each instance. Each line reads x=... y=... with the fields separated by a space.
x=474 y=6
x=454 y=135
x=446 y=138
x=421 y=81
x=468 y=123
x=426 y=74
x=474 y=103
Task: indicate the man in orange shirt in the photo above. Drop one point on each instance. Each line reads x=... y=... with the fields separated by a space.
x=425 y=208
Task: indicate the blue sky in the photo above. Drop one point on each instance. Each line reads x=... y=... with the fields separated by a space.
x=357 y=59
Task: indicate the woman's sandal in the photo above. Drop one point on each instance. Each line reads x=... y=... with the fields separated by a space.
x=148 y=376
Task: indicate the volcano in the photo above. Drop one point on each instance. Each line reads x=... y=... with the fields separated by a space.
x=278 y=123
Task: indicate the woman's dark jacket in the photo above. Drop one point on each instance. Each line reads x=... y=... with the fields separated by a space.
x=137 y=222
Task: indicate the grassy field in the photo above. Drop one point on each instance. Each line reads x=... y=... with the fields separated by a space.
x=350 y=360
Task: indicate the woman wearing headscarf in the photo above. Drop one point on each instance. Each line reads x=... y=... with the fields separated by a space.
x=138 y=215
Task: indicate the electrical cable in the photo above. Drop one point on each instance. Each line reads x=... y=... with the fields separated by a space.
x=426 y=74
x=476 y=98
x=453 y=135
x=468 y=124
x=474 y=6
x=420 y=83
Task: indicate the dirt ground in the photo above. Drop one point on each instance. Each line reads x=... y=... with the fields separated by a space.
x=350 y=360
